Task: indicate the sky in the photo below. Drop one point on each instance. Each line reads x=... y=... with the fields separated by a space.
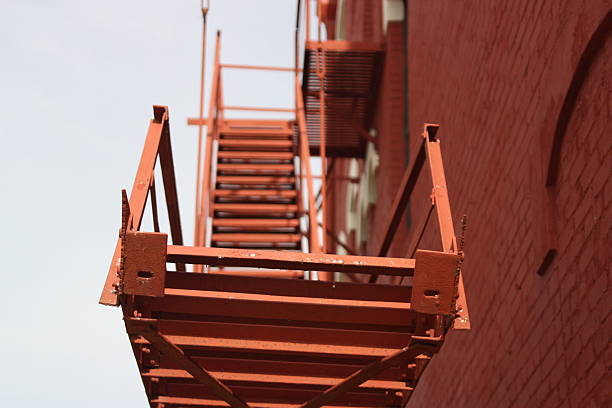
x=78 y=81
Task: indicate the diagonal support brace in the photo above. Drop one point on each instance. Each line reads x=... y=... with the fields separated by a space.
x=417 y=346
x=142 y=327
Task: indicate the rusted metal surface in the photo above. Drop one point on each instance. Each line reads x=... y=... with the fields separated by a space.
x=291 y=260
x=285 y=287
x=416 y=346
x=443 y=212
x=165 y=346
x=434 y=286
x=144 y=263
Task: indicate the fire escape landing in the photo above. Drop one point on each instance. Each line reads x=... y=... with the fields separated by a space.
x=349 y=72
x=251 y=326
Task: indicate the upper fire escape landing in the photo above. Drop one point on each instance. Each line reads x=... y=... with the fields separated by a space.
x=341 y=81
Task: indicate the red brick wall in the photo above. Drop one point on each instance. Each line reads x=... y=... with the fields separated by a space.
x=495 y=75
x=363 y=20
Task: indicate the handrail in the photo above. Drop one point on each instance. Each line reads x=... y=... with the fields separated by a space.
x=201 y=122
x=157 y=145
x=204 y=206
x=304 y=153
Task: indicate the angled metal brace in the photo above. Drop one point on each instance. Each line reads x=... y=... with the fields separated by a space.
x=142 y=327
x=417 y=346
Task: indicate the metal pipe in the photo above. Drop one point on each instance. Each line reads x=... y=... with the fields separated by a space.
x=198 y=195
x=209 y=139
x=305 y=162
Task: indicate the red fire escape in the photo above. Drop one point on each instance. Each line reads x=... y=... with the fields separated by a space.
x=252 y=325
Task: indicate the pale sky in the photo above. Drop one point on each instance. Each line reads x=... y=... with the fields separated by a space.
x=78 y=82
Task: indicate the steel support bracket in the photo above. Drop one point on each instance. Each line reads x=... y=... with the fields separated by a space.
x=435 y=282
x=144 y=263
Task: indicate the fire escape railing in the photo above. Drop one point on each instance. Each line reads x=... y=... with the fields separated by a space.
x=157 y=146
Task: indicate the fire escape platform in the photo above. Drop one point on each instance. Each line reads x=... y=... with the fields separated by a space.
x=351 y=72
x=271 y=341
x=248 y=328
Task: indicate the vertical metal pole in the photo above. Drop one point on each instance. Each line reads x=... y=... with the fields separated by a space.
x=308 y=20
x=305 y=163
x=323 y=152
x=210 y=128
x=322 y=132
x=198 y=197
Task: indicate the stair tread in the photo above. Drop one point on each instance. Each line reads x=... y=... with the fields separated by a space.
x=255 y=179
x=251 y=193
x=250 y=167
x=255 y=143
x=256 y=237
x=256 y=132
x=255 y=222
x=255 y=207
x=231 y=154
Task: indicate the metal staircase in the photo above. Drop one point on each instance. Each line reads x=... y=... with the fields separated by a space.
x=237 y=321
x=255 y=198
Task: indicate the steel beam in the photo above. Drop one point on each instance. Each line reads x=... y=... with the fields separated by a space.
x=324 y=367
x=445 y=220
x=417 y=346
x=291 y=260
x=165 y=346
x=256 y=394
x=284 y=310
x=284 y=333
x=172 y=402
x=284 y=380
x=288 y=287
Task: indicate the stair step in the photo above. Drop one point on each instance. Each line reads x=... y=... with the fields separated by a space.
x=255 y=180
x=255 y=168
x=263 y=132
x=256 y=223
x=256 y=208
x=260 y=238
x=256 y=193
x=256 y=144
x=285 y=246
x=231 y=154
x=258 y=136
